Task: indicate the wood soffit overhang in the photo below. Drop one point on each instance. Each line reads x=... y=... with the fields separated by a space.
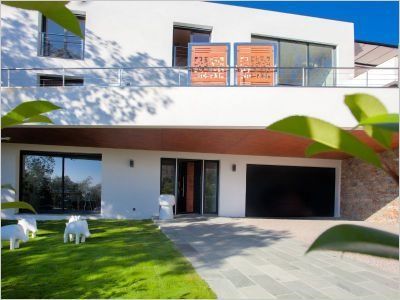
x=222 y=141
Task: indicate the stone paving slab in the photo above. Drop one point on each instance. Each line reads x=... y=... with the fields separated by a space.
x=240 y=261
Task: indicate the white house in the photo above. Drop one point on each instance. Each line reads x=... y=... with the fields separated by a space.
x=166 y=97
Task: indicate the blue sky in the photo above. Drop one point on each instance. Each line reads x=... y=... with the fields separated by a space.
x=374 y=21
x=79 y=169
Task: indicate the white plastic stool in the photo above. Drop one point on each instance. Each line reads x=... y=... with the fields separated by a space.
x=166 y=203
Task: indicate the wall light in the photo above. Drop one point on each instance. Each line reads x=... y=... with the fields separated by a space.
x=131 y=163
x=234 y=168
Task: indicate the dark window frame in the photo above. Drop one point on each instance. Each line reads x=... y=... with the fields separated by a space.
x=56 y=77
x=63 y=155
x=191 y=29
x=176 y=160
x=43 y=30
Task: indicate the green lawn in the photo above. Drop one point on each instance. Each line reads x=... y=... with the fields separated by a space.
x=121 y=259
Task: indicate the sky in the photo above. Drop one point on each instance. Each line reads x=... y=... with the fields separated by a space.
x=78 y=169
x=374 y=21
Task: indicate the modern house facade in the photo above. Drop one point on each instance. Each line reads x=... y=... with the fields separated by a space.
x=174 y=97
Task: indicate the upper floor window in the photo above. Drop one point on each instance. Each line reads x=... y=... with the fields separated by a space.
x=182 y=37
x=55 y=41
x=302 y=63
x=58 y=80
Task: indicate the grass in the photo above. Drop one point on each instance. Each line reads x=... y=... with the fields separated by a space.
x=121 y=259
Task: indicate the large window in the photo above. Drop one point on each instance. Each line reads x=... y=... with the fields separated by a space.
x=303 y=64
x=55 y=41
x=61 y=182
x=181 y=39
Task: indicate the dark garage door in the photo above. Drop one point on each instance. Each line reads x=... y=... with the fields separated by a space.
x=285 y=191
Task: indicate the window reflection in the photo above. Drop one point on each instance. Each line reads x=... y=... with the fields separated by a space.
x=61 y=182
x=292 y=55
x=302 y=63
x=58 y=42
x=42 y=183
x=210 y=187
x=82 y=184
x=168 y=175
x=321 y=58
x=181 y=39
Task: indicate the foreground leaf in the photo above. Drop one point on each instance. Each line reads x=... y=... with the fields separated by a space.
x=317 y=148
x=54 y=10
x=28 y=112
x=358 y=239
x=18 y=205
x=386 y=121
x=364 y=106
x=326 y=134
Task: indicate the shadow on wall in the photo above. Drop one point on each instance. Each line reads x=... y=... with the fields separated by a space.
x=210 y=243
x=108 y=96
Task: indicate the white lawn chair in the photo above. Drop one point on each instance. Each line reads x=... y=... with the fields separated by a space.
x=166 y=203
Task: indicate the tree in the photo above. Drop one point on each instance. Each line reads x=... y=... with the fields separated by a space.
x=379 y=125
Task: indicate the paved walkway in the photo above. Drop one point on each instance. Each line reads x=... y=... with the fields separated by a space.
x=243 y=261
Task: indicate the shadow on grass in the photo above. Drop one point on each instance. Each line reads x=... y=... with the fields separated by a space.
x=121 y=259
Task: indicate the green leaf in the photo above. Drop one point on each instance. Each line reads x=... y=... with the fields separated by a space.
x=358 y=239
x=316 y=148
x=364 y=106
x=54 y=10
x=7 y=186
x=27 y=111
x=386 y=121
x=39 y=119
x=17 y=205
x=326 y=134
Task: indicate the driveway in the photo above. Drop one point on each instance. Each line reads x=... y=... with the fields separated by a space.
x=264 y=259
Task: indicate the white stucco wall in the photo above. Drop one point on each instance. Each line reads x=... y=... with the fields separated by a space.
x=195 y=106
x=139 y=33
x=124 y=188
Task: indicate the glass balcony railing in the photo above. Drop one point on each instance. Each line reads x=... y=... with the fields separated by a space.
x=187 y=76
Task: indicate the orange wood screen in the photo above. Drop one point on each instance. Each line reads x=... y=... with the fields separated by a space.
x=204 y=63
x=260 y=57
x=190 y=187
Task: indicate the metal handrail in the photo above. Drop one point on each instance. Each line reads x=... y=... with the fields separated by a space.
x=188 y=67
x=180 y=75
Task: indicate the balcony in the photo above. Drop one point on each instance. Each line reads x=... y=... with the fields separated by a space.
x=165 y=96
x=183 y=77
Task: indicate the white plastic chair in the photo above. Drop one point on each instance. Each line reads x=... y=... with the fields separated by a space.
x=166 y=203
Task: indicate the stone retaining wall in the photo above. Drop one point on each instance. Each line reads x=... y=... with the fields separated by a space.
x=368 y=193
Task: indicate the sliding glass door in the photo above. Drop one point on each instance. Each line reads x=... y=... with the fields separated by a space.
x=194 y=183
x=61 y=182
